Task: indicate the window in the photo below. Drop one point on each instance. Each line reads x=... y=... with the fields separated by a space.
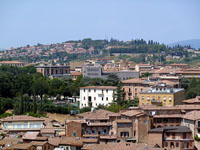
x=184 y=135
x=102 y=90
x=124 y=134
x=84 y=98
x=102 y=98
x=164 y=98
x=107 y=91
x=167 y=134
x=89 y=90
x=25 y=125
x=74 y=133
x=84 y=90
x=177 y=144
x=142 y=97
x=135 y=89
x=129 y=90
x=173 y=135
x=199 y=124
x=94 y=90
x=170 y=99
x=107 y=98
x=166 y=144
x=135 y=94
x=95 y=98
x=148 y=98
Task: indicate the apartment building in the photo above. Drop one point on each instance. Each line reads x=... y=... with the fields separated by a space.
x=161 y=95
x=173 y=137
x=96 y=71
x=191 y=73
x=53 y=70
x=140 y=124
x=12 y=63
x=102 y=126
x=21 y=123
x=192 y=120
x=143 y=67
x=132 y=87
x=95 y=126
x=92 y=96
x=182 y=66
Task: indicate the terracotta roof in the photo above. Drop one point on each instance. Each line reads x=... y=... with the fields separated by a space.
x=47 y=131
x=65 y=141
x=24 y=146
x=131 y=113
x=134 y=80
x=193 y=115
x=99 y=87
x=70 y=141
x=88 y=140
x=38 y=143
x=10 y=140
x=21 y=118
x=11 y=62
x=120 y=146
x=97 y=114
x=30 y=135
x=193 y=100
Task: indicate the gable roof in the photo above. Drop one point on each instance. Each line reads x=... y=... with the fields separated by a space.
x=21 y=118
x=193 y=115
x=98 y=114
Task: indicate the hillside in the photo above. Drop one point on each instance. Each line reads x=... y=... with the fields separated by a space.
x=88 y=48
x=195 y=43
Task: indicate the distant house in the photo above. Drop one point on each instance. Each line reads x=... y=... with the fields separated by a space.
x=12 y=63
x=22 y=123
x=92 y=96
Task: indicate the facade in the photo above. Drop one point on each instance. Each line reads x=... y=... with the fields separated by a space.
x=96 y=71
x=179 y=137
x=22 y=123
x=162 y=96
x=182 y=66
x=143 y=67
x=191 y=73
x=54 y=70
x=132 y=87
x=92 y=96
x=102 y=126
x=12 y=63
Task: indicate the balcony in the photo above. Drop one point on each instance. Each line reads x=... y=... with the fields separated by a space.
x=179 y=139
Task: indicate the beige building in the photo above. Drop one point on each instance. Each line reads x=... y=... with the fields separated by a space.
x=12 y=63
x=132 y=87
x=162 y=96
x=57 y=70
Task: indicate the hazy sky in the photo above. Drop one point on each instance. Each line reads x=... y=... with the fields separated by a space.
x=25 y=22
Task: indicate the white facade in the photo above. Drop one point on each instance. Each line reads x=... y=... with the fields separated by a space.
x=94 y=96
x=29 y=125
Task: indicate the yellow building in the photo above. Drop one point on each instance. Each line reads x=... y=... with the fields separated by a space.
x=162 y=96
x=191 y=73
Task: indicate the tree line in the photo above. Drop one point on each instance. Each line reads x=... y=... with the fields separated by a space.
x=26 y=91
